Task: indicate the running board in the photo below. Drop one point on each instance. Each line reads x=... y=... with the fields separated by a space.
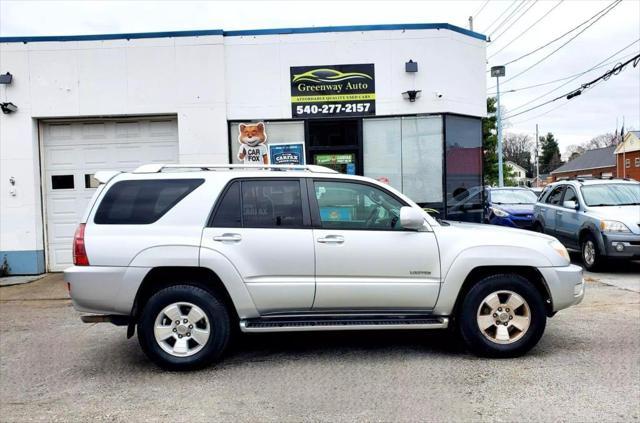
x=320 y=324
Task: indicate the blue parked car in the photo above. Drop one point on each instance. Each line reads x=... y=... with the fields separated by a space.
x=510 y=207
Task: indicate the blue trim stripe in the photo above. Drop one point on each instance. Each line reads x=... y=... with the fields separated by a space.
x=275 y=31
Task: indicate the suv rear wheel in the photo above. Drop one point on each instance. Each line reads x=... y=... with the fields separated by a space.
x=502 y=316
x=184 y=327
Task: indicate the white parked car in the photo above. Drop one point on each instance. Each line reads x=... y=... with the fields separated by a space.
x=185 y=253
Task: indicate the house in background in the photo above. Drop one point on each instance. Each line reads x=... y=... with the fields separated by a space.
x=519 y=173
x=597 y=163
x=628 y=156
x=541 y=180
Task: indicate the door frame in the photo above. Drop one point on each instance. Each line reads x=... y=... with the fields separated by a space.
x=351 y=148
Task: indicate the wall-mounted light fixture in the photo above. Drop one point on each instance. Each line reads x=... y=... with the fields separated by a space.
x=8 y=108
x=6 y=78
x=411 y=95
x=411 y=66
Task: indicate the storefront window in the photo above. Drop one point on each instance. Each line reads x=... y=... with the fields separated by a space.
x=464 y=168
x=269 y=138
x=422 y=159
x=382 y=150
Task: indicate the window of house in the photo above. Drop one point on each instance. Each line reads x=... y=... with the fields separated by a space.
x=637 y=161
x=627 y=163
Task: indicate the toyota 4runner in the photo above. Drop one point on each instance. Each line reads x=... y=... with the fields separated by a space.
x=188 y=253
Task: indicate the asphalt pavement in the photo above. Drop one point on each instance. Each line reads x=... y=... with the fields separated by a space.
x=55 y=368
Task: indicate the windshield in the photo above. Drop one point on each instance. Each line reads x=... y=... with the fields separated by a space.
x=513 y=196
x=611 y=195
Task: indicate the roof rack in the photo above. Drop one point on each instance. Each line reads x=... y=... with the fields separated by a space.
x=158 y=168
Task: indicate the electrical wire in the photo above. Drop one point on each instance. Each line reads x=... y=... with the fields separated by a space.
x=614 y=5
x=615 y=2
x=514 y=22
x=565 y=78
x=575 y=77
x=526 y=30
x=475 y=15
x=578 y=91
x=500 y=16
x=508 y=18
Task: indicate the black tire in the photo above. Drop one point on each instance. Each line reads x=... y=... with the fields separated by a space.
x=215 y=312
x=537 y=227
x=597 y=262
x=475 y=339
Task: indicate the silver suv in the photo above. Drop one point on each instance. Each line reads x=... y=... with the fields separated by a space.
x=600 y=218
x=187 y=253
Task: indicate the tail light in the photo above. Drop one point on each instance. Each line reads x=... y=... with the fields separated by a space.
x=79 y=253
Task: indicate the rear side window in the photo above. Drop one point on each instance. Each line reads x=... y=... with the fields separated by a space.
x=142 y=202
x=227 y=215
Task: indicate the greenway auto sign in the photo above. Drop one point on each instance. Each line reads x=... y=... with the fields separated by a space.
x=337 y=90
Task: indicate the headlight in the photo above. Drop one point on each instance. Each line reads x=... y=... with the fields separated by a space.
x=560 y=249
x=613 y=226
x=499 y=212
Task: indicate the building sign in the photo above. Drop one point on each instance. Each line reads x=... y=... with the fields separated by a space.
x=338 y=90
x=286 y=154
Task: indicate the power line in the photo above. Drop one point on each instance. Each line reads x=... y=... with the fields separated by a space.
x=514 y=22
x=499 y=17
x=561 y=36
x=565 y=78
x=505 y=20
x=475 y=15
x=526 y=30
x=575 y=77
x=578 y=91
x=614 y=5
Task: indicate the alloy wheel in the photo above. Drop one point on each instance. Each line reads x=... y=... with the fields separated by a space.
x=182 y=329
x=504 y=317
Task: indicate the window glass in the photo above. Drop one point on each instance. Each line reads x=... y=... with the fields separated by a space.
x=271 y=204
x=276 y=133
x=345 y=205
x=142 y=202
x=556 y=195
x=611 y=195
x=513 y=196
x=90 y=181
x=382 y=150
x=570 y=195
x=62 y=182
x=422 y=158
x=227 y=213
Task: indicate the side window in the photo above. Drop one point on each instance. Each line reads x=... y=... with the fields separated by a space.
x=570 y=195
x=271 y=204
x=140 y=202
x=556 y=195
x=346 y=205
x=227 y=214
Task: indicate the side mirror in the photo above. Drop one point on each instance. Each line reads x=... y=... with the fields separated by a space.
x=571 y=205
x=411 y=218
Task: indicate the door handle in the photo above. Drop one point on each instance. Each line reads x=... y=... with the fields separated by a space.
x=331 y=239
x=228 y=238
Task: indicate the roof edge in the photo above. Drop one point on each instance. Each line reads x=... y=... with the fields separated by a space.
x=253 y=32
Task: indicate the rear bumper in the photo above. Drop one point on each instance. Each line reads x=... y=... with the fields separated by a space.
x=104 y=289
x=565 y=284
x=629 y=243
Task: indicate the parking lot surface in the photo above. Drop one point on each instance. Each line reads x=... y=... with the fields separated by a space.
x=55 y=368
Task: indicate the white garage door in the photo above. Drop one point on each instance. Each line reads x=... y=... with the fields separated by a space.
x=74 y=151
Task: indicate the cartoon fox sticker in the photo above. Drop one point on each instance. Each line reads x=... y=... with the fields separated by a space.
x=253 y=143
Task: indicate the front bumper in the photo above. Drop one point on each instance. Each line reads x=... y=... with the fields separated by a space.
x=621 y=245
x=512 y=221
x=566 y=285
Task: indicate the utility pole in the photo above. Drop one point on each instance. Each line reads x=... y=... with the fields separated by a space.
x=499 y=71
x=537 y=159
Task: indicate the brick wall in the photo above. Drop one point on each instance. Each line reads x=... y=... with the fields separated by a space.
x=632 y=171
x=596 y=173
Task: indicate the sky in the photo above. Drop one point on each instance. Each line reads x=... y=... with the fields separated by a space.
x=572 y=122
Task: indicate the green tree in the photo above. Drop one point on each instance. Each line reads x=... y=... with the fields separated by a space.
x=550 y=153
x=490 y=147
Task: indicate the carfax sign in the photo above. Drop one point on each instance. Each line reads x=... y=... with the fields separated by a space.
x=337 y=90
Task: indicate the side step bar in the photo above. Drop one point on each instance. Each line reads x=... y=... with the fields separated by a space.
x=320 y=324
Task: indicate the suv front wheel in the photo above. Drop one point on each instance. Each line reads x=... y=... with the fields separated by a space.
x=591 y=257
x=502 y=316
x=183 y=327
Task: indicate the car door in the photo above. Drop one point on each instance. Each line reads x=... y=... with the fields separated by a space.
x=364 y=259
x=568 y=219
x=551 y=206
x=262 y=226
